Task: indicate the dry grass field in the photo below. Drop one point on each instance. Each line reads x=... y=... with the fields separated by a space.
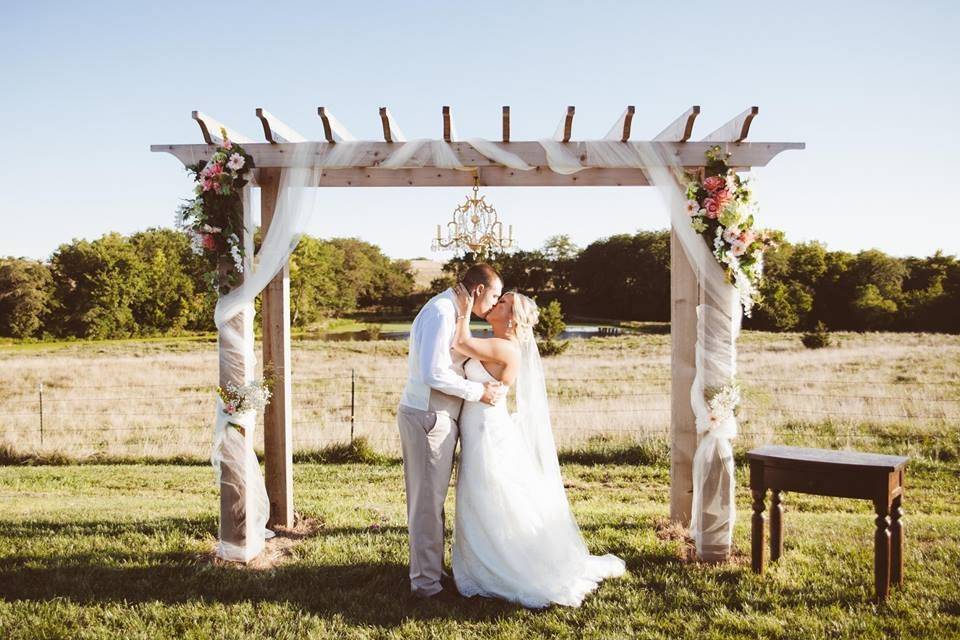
x=154 y=398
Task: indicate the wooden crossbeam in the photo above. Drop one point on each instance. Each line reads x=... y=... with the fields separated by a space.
x=276 y=131
x=391 y=132
x=506 y=124
x=210 y=129
x=736 y=130
x=688 y=154
x=680 y=129
x=568 y=124
x=446 y=124
x=333 y=130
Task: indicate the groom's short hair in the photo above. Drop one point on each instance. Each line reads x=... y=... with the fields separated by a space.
x=480 y=273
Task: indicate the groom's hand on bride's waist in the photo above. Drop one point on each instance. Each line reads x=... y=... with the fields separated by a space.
x=493 y=391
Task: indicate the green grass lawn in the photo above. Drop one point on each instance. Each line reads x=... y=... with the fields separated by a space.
x=119 y=551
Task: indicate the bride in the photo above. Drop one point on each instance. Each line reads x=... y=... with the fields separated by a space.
x=515 y=537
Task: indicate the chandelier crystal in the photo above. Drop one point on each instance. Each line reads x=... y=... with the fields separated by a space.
x=475 y=227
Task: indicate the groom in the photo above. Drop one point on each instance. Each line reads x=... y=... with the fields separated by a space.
x=427 y=418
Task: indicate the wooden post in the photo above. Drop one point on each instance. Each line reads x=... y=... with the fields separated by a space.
x=277 y=417
x=684 y=295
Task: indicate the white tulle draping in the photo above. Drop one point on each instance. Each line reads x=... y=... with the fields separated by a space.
x=244 y=506
x=718 y=326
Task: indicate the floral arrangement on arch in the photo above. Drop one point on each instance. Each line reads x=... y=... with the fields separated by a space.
x=213 y=218
x=721 y=209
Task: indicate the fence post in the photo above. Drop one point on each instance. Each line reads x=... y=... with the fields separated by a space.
x=41 y=414
x=353 y=403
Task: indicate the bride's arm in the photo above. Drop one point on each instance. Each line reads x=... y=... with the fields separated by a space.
x=486 y=349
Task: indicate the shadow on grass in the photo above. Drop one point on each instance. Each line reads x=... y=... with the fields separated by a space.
x=368 y=593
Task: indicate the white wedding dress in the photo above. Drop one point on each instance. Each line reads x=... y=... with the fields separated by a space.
x=515 y=537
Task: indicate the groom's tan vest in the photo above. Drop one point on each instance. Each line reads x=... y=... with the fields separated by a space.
x=444 y=403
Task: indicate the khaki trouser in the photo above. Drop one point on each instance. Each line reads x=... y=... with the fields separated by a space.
x=428 y=439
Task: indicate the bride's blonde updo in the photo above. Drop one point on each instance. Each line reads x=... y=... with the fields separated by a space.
x=525 y=316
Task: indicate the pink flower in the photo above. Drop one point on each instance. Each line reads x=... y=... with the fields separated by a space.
x=208 y=241
x=227 y=144
x=714 y=183
x=747 y=237
x=712 y=207
x=216 y=169
x=207 y=184
x=230 y=408
x=722 y=197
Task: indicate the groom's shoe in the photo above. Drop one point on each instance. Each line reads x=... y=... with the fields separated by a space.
x=420 y=594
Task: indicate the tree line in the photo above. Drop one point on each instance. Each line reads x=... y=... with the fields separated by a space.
x=151 y=283
x=627 y=276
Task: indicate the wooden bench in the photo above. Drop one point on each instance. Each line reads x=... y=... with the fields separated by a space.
x=844 y=474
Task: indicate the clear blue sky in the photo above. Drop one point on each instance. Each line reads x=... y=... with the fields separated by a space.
x=871 y=87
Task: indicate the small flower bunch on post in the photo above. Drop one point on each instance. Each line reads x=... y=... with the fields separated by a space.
x=238 y=399
x=721 y=209
x=722 y=402
x=213 y=218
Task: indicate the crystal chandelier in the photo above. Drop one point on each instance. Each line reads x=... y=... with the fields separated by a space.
x=475 y=227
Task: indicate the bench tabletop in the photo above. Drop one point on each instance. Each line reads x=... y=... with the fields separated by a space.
x=848 y=459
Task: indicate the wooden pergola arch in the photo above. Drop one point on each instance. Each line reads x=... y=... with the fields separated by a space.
x=276 y=153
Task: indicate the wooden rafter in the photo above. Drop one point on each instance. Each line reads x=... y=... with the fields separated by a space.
x=210 y=129
x=446 y=124
x=680 y=129
x=506 y=124
x=568 y=124
x=391 y=132
x=333 y=130
x=276 y=131
x=735 y=130
x=627 y=120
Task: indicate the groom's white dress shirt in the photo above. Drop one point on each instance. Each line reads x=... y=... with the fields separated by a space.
x=430 y=362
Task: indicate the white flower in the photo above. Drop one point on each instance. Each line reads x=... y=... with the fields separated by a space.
x=722 y=402
x=237 y=258
x=236 y=162
x=730 y=234
x=196 y=242
x=210 y=229
x=692 y=207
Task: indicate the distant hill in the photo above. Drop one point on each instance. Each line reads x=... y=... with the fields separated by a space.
x=424 y=271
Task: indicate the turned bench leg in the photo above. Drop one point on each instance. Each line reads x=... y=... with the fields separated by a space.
x=776 y=526
x=756 y=530
x=881 y=549
x=896 y=541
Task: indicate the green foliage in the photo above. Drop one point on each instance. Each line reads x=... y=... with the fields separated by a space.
x=818 y=338
x=624 y=276
x=24 y=297
x=96 y=286
x=550 y=325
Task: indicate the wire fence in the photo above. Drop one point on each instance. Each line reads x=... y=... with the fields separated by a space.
x=335 y=408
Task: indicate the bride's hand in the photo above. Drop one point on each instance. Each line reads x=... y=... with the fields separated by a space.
x=464 y=300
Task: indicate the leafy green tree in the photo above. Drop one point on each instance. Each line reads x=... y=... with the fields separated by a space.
x=170 y=300
x=314 y=287
x=96 y=287
x=549 y=325
x=873 y=311
x=625 y=276
x=24 y=297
